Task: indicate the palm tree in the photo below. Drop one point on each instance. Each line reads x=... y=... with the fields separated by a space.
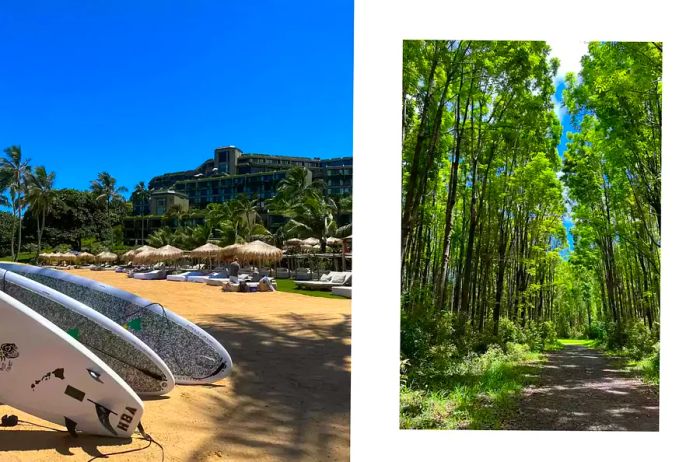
x=106 y=189
x=140 y=195
x=161 y=237
x=41 y=196
x=15 y=172
x=297 y=183
x=240 y=221
x=312 y=215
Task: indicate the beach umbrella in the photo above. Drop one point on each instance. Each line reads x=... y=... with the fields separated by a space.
x=86 y=256
x=259 y=251
x=294 y=242
x=129 y=254
x=231 y=250
x=143 y=248
x=106 y=256
x=311 y=241
x=144 y=256
x=206 y=250
x=167 y=252
x=334 y=241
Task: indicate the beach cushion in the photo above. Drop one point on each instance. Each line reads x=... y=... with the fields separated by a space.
x=338 y=278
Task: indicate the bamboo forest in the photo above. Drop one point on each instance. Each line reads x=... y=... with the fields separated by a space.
x=530 y=248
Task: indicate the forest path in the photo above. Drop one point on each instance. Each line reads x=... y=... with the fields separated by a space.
x=581 y=389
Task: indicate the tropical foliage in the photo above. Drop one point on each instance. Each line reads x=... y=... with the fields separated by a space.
x=485 y=257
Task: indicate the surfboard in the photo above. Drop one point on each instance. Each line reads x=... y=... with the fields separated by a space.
x=193 y=356
x=123 y=352
x=47 y=373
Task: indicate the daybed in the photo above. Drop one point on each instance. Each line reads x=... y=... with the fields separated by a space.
x=327 y=281
x=183 y=276
x=151 y=275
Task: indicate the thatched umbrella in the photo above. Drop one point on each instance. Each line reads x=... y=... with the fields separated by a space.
x=294 y=242
x=106 y=256
x=128 y=254
x=311 y=241
x=231 y=250
x=206 y=250
x=259 y=251
x=143 y=248
x=144 y=256
x=334 y=241
x=86 y=256
x=167 y=252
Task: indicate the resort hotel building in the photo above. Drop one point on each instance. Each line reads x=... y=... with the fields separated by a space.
x=231 y=173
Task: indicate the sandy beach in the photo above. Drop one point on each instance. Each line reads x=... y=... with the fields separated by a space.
x=288 y=398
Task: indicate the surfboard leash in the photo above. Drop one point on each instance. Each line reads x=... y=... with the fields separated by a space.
x=12 y=421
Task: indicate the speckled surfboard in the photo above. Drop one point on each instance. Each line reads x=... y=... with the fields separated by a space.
x=47 y=373
x=123 y=352
x=193 y=356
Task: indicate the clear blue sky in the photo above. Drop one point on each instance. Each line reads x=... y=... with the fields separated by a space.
x=567 y=127
x=143 y=88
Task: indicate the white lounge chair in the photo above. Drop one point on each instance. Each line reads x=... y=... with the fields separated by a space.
x=204 y=279
x=327 y=281
x=183 y=276
x=343 y=291
x=151 y=275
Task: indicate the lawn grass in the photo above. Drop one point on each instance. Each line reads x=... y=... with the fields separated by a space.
x=473 y=394
x=288 y=285
x=588 y=343
x=23 y=257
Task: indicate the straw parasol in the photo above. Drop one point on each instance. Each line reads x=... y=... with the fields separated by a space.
x=106 y=256
x=294 y=242
x=231 y=250
x=206 y=250
x=311 y=241
x=144 y=256
x=334 y=241
x=167 y=252
x=87 y=256
x=128 y=254
x=259 y=251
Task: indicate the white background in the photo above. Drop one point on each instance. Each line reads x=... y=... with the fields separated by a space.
x=380 y=28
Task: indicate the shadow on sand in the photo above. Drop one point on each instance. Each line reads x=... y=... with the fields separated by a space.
x=291 y=393
x=61 y=441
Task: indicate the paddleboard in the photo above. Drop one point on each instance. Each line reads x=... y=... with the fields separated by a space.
x=47 y=373
x=193 y=356
x=123 y=352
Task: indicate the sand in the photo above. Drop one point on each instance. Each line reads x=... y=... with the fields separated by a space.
x=288 y=398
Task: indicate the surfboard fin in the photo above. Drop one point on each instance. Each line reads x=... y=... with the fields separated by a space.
x=71 y=426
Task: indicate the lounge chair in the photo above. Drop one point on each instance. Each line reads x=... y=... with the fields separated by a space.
x=343 y=291
x=221 y=275
x=282 y=273
x=302 y=274
x=151 y=275
x=183 y=276
x=327 y=281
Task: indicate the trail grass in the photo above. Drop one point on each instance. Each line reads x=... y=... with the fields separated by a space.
x=472 y=396
x=288 y=285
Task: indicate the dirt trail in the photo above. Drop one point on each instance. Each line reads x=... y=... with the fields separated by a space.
x=581 y=389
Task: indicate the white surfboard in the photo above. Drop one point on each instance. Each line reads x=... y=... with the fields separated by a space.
x=193 y=356
x=133 y=360
x=47 y=373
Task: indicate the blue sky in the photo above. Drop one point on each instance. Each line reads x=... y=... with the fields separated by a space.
x=569 y=54
x=142 y=88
